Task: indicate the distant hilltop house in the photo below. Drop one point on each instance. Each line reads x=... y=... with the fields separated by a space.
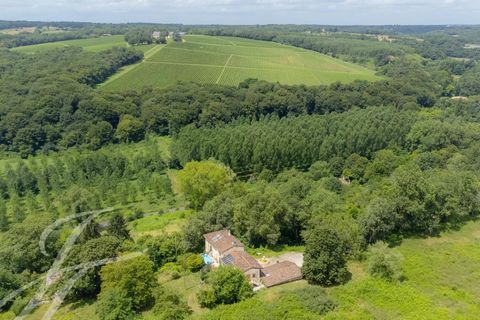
x=156 y=35
x=223 y=249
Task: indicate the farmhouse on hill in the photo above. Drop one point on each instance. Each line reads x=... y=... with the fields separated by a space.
x=222 y=248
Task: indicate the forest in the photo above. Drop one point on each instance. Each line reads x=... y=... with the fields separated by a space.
x=349 y=174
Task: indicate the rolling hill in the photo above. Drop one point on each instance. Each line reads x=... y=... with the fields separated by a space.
x=89 y=44
x=229 y=61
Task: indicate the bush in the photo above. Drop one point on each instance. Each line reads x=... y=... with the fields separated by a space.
x=114 y=305
x=170 y=306
x=384 y=263
x=315 y=299
x=194 y=263
x=207 y=298
x=227 y=285
x=134 y=277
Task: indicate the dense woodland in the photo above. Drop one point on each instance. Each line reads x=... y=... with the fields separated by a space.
x=335 y=169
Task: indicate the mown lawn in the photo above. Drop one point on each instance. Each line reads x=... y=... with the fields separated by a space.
x=89 y=44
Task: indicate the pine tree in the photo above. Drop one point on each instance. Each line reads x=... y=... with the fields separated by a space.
x=118 y=227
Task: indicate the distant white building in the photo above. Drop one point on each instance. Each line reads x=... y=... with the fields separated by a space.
x=156 y=35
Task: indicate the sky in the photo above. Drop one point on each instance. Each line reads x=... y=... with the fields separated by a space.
x=330 y=12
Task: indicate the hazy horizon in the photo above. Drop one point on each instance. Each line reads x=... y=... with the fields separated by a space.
x=322 y=12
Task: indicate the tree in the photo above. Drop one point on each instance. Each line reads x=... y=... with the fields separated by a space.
x=19 y=249
x=140 y=36
x=227 y=285
x=130 y=129
x=259 y=216
x=113 y=304
x=30 y=139
x=91 y=231
x=4 y=223
x=383 y=165
x=99 y=134
x=355 y=166
x=201 y=181
x=169 y=306
x=384 y=263
x=379 y=220
x=90 y=251
x=319 y=169
x=164 y=248
x=118 y=227
x=8 y=282
x=325 y=257
x=135 y=278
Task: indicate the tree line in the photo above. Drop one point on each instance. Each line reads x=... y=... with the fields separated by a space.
x=294 y=142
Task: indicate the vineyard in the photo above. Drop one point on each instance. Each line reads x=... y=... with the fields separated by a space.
x=229 y=61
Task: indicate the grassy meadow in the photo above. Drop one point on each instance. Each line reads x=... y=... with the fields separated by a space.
x=229 y=61
x=89 y=44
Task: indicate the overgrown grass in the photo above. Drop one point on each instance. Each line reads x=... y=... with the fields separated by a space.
x=442 y=282
x=160 y=223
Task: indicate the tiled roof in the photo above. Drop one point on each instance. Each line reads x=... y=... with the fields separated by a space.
x=280 y=273
x=241 y=260
x=222 y=240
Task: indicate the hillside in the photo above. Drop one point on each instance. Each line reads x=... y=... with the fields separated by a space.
x=440 y=283
x=229 y=61
x=239 y=172
x=89 y=44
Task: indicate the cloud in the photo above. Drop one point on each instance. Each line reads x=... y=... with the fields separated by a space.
x=247 y=11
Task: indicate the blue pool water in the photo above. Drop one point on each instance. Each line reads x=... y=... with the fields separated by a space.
x=207 y=259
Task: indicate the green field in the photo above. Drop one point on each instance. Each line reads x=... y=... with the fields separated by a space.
x=90 y=44
x=441 y=282
x=229 y=61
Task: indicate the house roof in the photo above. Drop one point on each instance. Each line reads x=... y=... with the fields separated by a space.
x=222 y=240
x=279 y=273
x=241 y=260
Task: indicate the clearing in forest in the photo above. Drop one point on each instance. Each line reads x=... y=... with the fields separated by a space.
x=89 y=44
x=229 y=61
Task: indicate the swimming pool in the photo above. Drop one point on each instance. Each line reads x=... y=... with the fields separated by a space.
x=207 y=259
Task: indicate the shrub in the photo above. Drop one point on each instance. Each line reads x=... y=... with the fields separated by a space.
x=384 y=263
x=170 y=306
x=315 y=299
x=227 y=285
x=114 y=305
x=194 y=263
x=134 y=277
